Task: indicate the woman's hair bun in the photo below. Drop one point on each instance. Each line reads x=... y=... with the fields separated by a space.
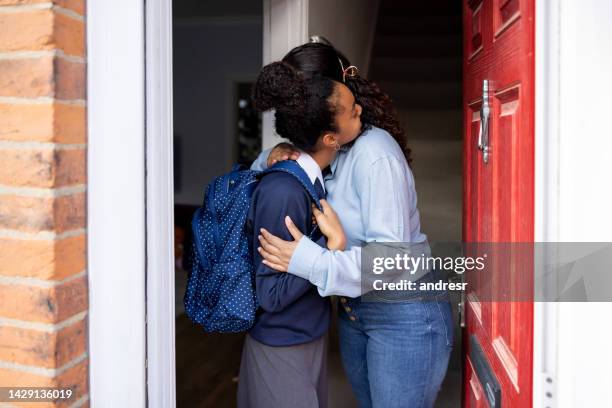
x=279 y=86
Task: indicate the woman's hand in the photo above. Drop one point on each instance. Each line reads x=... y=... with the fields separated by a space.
x=330 y=226
x=282 y=151
x=277 y=252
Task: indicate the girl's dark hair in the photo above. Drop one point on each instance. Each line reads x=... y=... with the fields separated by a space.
x=303 y=106
x=321 y=58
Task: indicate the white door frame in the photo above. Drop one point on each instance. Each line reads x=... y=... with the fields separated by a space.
x=572 y=161
x=116 y=203
x=546 y=179
x=285 y=25
x=161 y=382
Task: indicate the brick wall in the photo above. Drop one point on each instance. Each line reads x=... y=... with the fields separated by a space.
x=43 y=281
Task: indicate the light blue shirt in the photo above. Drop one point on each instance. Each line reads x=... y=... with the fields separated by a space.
x=372 y=190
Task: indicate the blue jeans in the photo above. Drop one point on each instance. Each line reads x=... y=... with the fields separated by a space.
x=395 y=354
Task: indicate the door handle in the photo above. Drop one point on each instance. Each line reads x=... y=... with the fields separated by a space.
x=485 y=112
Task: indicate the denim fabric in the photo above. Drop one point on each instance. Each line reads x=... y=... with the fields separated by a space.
x=395 y=354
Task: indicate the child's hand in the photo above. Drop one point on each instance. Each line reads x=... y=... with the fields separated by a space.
x=330 y=226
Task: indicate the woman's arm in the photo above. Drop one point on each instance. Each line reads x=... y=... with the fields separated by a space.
x=385 y=194
x=260 y=162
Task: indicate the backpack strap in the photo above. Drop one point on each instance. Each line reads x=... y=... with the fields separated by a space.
x=293 y=168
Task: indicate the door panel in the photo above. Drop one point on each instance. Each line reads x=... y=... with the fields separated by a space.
x=498 y=194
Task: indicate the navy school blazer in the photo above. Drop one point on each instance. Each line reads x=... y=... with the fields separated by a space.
x=291 y=311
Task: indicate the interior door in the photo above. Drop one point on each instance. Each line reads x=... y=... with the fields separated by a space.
x=498 y=104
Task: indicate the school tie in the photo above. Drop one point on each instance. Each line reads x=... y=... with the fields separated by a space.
x=319 y=189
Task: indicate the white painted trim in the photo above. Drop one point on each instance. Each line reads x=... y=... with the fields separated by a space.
x=546 y=217
x=268 y=135
x=116 y=203
x=161 y=382
x=573 y=151
x=285 y=25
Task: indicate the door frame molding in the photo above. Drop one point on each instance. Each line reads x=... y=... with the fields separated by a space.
x=160 y=272
x=116 y=247
x=571 y=202
x=546 y=193
x=285 y=25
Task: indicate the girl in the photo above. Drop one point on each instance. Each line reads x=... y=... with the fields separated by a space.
x=284 y=356
x=395 y=354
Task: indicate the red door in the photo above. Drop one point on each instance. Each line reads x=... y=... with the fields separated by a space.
x=498 y=193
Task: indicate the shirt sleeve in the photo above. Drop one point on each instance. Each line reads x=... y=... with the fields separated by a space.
x=261 y=162
x=384 y=193
x=274 y=198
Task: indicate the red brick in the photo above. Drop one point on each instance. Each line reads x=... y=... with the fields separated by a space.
x=34 y=214
x=75 y=378
x=44 y=259
x=69 y=35
x=27 y=77
x=70 y=80
x=55 y=122
x=59 y=78
x=42 y=167
x=78 y=6
x=43 y=348
x=41 y=30
x=47 y=76
x=48 y=305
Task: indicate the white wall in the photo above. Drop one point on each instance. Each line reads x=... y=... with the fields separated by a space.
x=585 y=196
x=209 y=55
x=573 y=197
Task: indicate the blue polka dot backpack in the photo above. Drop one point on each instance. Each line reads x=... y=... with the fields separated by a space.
x=220 y=293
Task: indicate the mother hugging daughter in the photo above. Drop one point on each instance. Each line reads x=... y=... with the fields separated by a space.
x=345 y=135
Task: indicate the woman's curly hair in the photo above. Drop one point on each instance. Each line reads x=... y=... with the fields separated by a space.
x=321 y=58
x=378 y=110
x=303 y=106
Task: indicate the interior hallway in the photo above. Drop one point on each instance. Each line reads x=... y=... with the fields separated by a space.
x=416 y=59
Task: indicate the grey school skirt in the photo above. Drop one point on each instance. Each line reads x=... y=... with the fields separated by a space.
x=283 y=377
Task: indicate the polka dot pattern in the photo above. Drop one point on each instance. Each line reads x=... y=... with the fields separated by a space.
x=220 y=294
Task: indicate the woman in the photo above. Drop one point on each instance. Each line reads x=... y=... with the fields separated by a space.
x=395 y=354
x=284 y=356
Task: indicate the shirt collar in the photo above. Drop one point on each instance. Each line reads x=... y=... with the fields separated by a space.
x=311 y=167
x=334 y=164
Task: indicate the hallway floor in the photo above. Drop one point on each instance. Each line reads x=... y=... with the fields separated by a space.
x=207 y=369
